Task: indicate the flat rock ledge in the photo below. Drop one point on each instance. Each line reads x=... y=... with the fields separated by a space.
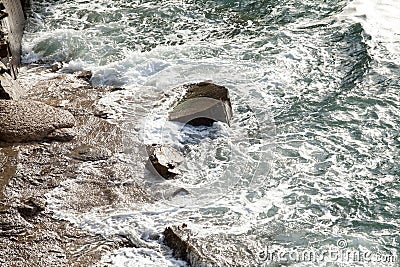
x=26 y=121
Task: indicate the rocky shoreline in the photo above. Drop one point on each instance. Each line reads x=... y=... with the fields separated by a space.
x=34 y=163
x=29 y=234
x=52 y=127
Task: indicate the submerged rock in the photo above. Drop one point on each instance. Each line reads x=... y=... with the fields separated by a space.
x=44 y=241
x=24 y=121
x=203 y=104
x=164 y=160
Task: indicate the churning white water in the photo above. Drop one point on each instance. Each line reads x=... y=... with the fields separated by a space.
x=311 y=158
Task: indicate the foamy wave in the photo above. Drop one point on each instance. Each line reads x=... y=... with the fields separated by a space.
x=381 y=20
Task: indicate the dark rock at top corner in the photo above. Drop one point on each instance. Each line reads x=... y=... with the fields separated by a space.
x=203 y=104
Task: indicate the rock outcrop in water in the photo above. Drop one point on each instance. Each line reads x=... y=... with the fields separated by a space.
x=203 y=104
x=165 y=160
x=25 y=121
x=217 y=248
x=179 y=239
x=85 y=75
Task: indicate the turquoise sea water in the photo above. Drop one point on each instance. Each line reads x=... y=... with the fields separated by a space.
x=311 y=162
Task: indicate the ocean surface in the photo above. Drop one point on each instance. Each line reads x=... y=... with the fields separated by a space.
x=311 y=162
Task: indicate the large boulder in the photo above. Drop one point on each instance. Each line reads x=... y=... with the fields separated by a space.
x=25 y=121
x=203 y=104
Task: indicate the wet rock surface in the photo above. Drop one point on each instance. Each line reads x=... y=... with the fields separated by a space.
x=203 y=104
x=88 y=170
x=218 y=249
x=44 y=241
x=179 y=239
x=90 y=153
x=9 y=88
x=25 y=120
x=85 y=75
x=164 y=160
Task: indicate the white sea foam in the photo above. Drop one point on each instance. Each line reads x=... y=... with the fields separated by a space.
x=311 y=179
x=380 y=19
